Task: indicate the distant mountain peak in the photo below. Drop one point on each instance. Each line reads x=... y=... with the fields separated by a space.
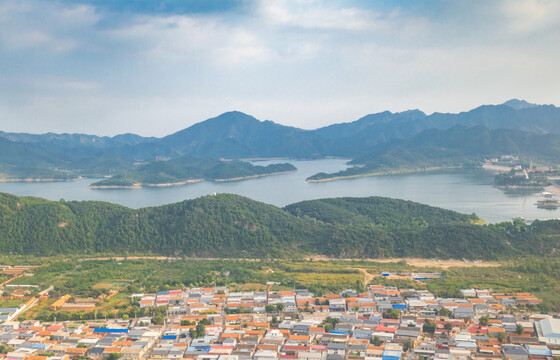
x=232 y=115
x=519 y=104
x=413 y=112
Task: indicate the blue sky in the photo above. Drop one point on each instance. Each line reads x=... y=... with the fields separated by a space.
x=148 y=67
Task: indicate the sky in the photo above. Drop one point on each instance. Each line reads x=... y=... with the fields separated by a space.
x=155 y=67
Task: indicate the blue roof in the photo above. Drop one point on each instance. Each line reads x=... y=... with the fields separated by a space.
x=169 y=337
x=539 y=352
x=399 y=306
x=199 y=348
x=103 y=330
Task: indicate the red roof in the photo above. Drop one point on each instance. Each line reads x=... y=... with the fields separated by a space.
x=386 y=329
x=480 y=330
x=296 y=347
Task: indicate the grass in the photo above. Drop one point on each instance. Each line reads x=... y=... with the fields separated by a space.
x=10 y=303
x=89 y=278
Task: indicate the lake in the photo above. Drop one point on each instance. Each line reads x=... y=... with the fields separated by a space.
x=466 y=191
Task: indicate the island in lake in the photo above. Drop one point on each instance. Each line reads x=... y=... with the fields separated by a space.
x=187 y=169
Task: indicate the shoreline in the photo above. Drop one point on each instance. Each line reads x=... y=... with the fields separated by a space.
x=32 y=180
x=497 y=168
x=383 y=173
x=254 y=176
x=190 y=181
x=140 y=185
x=179 y=183
x=108 y=187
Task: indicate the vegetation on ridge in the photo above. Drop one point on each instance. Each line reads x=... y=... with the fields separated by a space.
x=234 y=226
x=188 y=168
x=458 y=146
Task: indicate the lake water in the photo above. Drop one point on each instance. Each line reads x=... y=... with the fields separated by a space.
x=460 y=190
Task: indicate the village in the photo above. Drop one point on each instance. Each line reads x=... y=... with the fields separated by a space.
x=214 y=323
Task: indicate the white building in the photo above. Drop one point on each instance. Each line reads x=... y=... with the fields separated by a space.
x=548 y=331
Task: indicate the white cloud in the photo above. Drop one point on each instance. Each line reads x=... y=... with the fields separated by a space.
x=532 y=15
x=304 y=63
x=48 y=27
x=313 y=15
x=188 y=38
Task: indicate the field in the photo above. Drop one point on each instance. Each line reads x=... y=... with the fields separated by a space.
x=15 y=302
x=87 y=278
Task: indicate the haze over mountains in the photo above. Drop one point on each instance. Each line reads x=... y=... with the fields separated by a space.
x=524 y=128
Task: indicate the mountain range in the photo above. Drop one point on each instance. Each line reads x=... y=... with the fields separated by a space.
x=235 y=135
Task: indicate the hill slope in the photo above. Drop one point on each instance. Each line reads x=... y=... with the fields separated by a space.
x=231 y=135
x=457 y=146
x=234 y=226
x=186 y=168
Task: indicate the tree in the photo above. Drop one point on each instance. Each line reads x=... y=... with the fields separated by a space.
x=269 y=308
x=393 y=314
x=200 y=329
x=186 y=323
x=376 y=340
x=409 y=344
x=448 y=326
x=113 y=356
x=274 y=322
x=359 y=286
x=429 y=327
x=444 y=312
x=483 y=320
x=328 y=327
x=356 y=308
x=280 y=307
x=502 y=336
x=125 y=317
x=158 y=319
x=4 y=349
x=519 y=329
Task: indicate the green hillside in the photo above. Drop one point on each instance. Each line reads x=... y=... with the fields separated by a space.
x=190 y=168
x=234 y=226
x=376 y=210
x=458 y=146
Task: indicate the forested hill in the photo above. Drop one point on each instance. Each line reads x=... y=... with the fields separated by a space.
x=457 y=146
x=187 y=168
x=233 y=226
x=378 y=211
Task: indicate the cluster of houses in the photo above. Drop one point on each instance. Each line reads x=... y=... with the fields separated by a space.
x=383 y=323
